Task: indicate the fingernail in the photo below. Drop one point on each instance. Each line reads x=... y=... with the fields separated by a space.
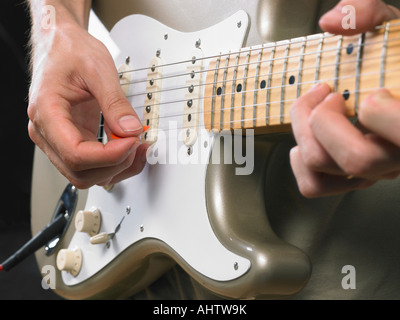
x=130 y=124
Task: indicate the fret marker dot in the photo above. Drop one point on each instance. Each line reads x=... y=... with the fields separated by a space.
x=350 y=49
x=219 y=91
x=239 y=87
x=346 y=94
x=292 y=79
x=263 y=84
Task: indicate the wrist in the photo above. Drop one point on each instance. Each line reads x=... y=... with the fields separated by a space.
x=53 y=19
x=50 y=14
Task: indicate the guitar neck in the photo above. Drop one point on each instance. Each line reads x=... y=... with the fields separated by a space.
x=255 y=88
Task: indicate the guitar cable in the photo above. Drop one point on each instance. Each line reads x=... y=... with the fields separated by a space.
x=50 y=231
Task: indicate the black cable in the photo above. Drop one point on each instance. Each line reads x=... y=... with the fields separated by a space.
x=53 y=229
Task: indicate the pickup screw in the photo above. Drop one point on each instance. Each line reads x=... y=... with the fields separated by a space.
x=198 y=43
x=127 y=59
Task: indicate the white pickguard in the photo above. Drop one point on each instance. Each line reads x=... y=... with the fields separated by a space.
x=167 y=201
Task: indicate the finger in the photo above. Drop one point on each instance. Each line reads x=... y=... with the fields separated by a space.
x=66 y=139
x=86 y=178
x=367 y=15
x=314 y=156
x=314 y=184
x=137 y=165
x=105 y=86
x=357 y=154
x=380 y=113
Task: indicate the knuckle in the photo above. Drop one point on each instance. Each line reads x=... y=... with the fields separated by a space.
x=309 y=190
x=356 y=163
x=315 y=159
x=73 y=162
x=115 y=101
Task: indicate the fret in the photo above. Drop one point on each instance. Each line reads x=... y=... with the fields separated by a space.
x=233 y=90
x=292 y=80
x=284 y=73
x=392 y=64
x=319 y=55
x=256 y=84
x=384 y=54
x=223 y=94
x=243 y=105
x=358 y=70
x=337 y=62
x=301 y=64
x=353 y=66
x=310 y=58
x=269 y=82
x=214 y=91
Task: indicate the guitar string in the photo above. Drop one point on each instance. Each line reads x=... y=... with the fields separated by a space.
x=324 y=51
x=252 y=106
x=255 y=76
x=255 y=91
x=276 y=44
x=269 y=117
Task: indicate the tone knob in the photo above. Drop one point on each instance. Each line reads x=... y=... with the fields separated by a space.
x=69 y=260
x=88 y=221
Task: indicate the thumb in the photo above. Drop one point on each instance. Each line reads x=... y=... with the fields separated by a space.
x=120 y=117
x=118 y=113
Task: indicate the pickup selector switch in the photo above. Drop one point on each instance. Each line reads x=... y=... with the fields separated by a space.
x=69 y=261
x=88 y=221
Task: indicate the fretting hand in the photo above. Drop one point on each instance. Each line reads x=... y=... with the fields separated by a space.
x=333 y=156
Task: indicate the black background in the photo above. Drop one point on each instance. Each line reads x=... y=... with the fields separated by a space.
x=24 y=281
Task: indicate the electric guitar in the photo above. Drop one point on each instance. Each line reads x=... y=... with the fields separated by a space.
x=199 y=200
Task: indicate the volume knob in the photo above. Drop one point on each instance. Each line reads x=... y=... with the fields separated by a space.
x=69 y=260
x=88 y=221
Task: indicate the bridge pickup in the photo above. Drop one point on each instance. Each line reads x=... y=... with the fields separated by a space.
x=152 y=101
x=192 y=98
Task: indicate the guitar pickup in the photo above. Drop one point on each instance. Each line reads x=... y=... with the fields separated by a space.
x=152 y=101
x=192 y=98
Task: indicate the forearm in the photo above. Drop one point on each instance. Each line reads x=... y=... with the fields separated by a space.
x=51 y=18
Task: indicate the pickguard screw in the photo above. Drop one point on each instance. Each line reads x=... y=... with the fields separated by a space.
x=166 y=36
x=236 y=266
x=141 y=228
x=198 y=43
x=128 y=210
x=239 y=24
x=127 y=59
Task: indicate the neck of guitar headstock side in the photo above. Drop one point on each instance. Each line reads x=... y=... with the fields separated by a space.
x=255 y=88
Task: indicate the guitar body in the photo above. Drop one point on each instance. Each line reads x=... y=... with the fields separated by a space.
x=214 y=203
x=176 y=210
